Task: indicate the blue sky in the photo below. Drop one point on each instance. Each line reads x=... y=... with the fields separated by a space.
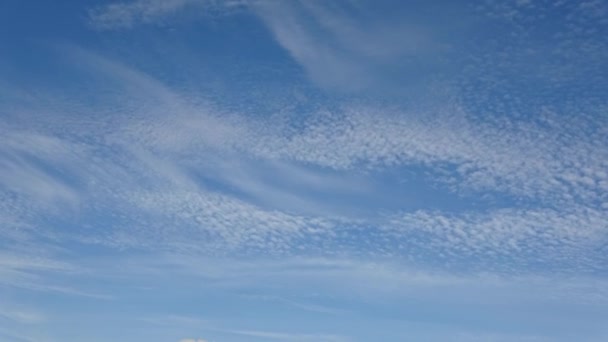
x=205 y=170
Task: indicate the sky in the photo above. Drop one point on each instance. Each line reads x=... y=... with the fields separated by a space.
x=276 y=170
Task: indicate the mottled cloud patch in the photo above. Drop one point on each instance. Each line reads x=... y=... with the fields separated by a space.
x=126 y=15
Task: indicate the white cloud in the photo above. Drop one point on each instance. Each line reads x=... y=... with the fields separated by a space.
x=123 y=15
x=340 y=52
x=370 y=280
x=323 y=62
x=524 y=159
x=128 y=14
x=25 y=160
x=207 y=218
x=553 y=237
x=551 y=163
x=21 y=316
x=168 y=173
x=379 y=286
x=323 y=38
x=37 y=272
x=159 y=177
x=272 y=335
